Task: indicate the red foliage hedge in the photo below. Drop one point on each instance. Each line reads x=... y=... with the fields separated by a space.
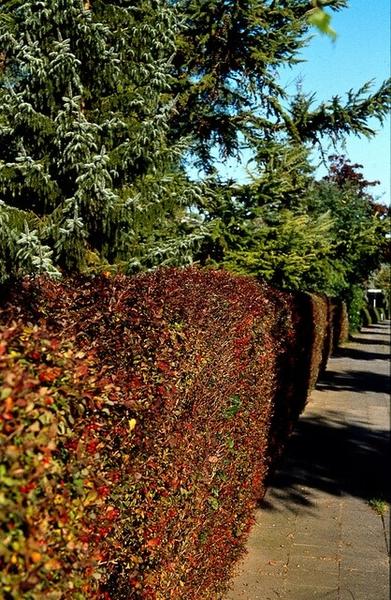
x=337 y=328
x=139 y=418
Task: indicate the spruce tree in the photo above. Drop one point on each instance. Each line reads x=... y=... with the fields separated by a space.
x=86 y=173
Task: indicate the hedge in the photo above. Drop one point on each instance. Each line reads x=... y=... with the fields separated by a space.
x=377 y=314
x=140 y=417
x=340 y=324
x=300 y=366
x=337 y=328
x=366 y=316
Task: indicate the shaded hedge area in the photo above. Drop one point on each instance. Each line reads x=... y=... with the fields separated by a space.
x=139 y=420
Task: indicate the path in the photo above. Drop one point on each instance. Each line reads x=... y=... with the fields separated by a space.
x=316 y=537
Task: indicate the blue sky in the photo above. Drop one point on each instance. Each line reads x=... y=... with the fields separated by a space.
x=360 y=53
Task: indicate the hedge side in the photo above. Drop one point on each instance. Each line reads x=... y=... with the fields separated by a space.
x=340 y=324
x=299 y=367
x=337 y=328
x=366 y=317
x=377 y=314
x=139 y=419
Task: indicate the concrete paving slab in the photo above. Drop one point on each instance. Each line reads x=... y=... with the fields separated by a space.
x=303 y=592
x=364 y=586
x=326 y=565
x=316 y=534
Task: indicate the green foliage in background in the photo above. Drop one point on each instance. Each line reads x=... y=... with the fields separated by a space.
x=87 y=175
x=382 y=279
x=102 y=104
x=298 y=233
x=356 y=301
x=359 y=234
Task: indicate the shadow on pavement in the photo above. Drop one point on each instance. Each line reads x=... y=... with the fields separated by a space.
x=355 y=381
x=371 y=341
x=327 y=455
x=356 y=354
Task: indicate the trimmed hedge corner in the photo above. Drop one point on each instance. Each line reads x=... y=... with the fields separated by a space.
x=139 y=419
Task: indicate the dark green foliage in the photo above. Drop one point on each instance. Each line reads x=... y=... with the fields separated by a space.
x=284 y=248
x=327 y=236
x=225 y=67
x=280 y=227
x=227 y=88
x=294 y=232
x=87 y=176
x=356 y=301
x=335 y=119
x=359 y=231
x=263 y=228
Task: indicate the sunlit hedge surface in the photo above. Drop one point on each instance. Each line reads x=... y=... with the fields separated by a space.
x=139 y=419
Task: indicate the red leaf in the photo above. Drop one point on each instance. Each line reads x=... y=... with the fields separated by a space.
x=55 y=344
x=103 y=490
x=50 y=374
x=163 y=366
x=81 y=370
x=153 y=542
x=91 y=447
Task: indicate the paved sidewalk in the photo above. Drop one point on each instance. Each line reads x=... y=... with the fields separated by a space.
x=316 y=536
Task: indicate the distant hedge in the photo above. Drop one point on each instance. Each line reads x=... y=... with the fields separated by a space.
x=140 y=417
x=337 y=328
x=366 y=316
x=377 y=313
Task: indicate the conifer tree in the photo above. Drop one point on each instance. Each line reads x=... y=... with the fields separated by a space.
x=263 y=228
x=86 y=173
x=293 y=231
x=227 y=68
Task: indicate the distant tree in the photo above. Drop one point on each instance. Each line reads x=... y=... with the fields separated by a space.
x=287 y=249
x=382 y=279
x=263 y=229
x=296 y=232
x=87 y=175
x=359 y=231
x=344 y=173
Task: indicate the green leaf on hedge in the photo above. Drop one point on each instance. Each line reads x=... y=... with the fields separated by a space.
x=234 y=407
x=214 y=503
x=5 y=393
x=230 y=443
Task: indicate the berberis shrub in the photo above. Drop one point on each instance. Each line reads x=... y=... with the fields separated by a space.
x=136 y=418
